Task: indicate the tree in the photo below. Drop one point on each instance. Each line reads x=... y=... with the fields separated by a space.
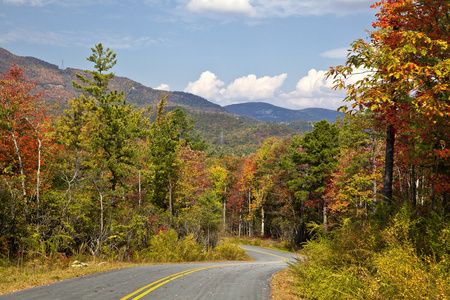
x=113 y=122
x=315 y=154
x=19 y=108
x=407 y=89
x=25 y=145
x=167 y=136
x=100 y=131
x=219 y=179
x=354 y=187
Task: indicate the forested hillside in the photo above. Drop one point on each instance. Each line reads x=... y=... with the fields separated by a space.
x=239 y=135
x=57 y=84
x=271 y=113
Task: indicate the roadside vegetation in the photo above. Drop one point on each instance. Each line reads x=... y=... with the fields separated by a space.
x=367 y=198
x=39 y=268
x=389 y=226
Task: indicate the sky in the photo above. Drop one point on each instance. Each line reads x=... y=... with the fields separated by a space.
x=227 y=51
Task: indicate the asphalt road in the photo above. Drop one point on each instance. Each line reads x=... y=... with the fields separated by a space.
x=230 y=280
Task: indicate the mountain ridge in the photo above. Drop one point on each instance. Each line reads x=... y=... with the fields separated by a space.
x=225 y=132
x=271 y=113
x=56 y=83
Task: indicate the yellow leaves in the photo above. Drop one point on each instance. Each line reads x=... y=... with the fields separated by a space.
x=385 y=98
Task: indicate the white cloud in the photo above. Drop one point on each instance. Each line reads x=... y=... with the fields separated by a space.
x=207 y=86
x=61 y=2
x=335 y=53
x=31 y=2
x=314 y=83
x=35 y=37
x=252 y=88
x=271 y=8
x=241 y=7
x=163 y=86
x=67 y=38
x=315 y=90
x=244 y=89
x=312 y=90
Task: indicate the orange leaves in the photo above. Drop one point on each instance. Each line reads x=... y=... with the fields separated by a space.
x=22 y=130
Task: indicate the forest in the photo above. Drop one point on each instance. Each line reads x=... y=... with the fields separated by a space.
x=367 y=198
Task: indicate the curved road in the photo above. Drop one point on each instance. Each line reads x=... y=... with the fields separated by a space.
x=229 y=280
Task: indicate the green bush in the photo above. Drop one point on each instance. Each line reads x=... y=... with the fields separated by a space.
x=228 y=252
x=366 y=260
x=166 y=247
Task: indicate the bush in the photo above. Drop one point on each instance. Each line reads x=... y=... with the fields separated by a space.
x=166 y=247
x=228 y=252
x=364 y=260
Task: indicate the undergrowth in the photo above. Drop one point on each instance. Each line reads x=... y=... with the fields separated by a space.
x=407 y=258
x=263 y=242
x=36 y=268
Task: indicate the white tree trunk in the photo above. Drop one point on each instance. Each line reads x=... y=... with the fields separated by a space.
x=262 y=220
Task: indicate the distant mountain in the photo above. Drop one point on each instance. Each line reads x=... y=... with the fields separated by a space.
x=271 y=113
x=227 y=133
x=57 y=85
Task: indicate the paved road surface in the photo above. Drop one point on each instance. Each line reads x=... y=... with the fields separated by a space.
x=230 y=280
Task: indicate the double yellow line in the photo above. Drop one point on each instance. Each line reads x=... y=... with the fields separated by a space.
x=156 y=284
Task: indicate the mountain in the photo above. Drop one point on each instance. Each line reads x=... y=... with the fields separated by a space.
x=57 y=85
x=271 y=113
x=225 y=132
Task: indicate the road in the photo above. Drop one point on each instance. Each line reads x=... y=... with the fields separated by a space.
x=229 y=280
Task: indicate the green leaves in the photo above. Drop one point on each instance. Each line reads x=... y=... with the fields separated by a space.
x=315 y=154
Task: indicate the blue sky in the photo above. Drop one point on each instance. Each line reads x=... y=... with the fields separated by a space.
x=227 y=51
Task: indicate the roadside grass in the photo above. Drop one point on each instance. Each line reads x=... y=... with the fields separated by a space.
x=17 y=276
x=36 y=269
x=407 y=257
x=284 y=283
x=262 y=242
x=283 y=286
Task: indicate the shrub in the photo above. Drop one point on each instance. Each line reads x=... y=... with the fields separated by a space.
x=366 y=260
x=228 y=252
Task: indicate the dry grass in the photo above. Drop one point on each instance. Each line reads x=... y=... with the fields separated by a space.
x=283 y=287
x=14 y=278
x=40 y=270
x=261 y=242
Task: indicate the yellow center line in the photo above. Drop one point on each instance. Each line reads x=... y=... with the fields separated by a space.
x=158 y=283
x=284 y=258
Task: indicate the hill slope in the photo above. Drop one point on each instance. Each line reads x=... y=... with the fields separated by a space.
x=271 y=113
x=57 y=84
x=225 y=132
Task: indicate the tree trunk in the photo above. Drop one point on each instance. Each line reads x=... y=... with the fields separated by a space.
x=170 y=200
x=249 y=214
x=240 y=224
x=413 y=186
x=139 y=188
x=39 y=163
x=262 y=220
x=389 y=165
x=224 y=210
x=38 y=177
x=374 y=171
x=19 y=158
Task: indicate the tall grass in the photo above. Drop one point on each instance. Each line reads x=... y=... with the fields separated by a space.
x=263 y=242
x=36 y=268
x=368 y=260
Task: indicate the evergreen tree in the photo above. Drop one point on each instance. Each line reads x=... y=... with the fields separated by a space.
x=315 y=156
x=101 y=121
x=168 y=134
